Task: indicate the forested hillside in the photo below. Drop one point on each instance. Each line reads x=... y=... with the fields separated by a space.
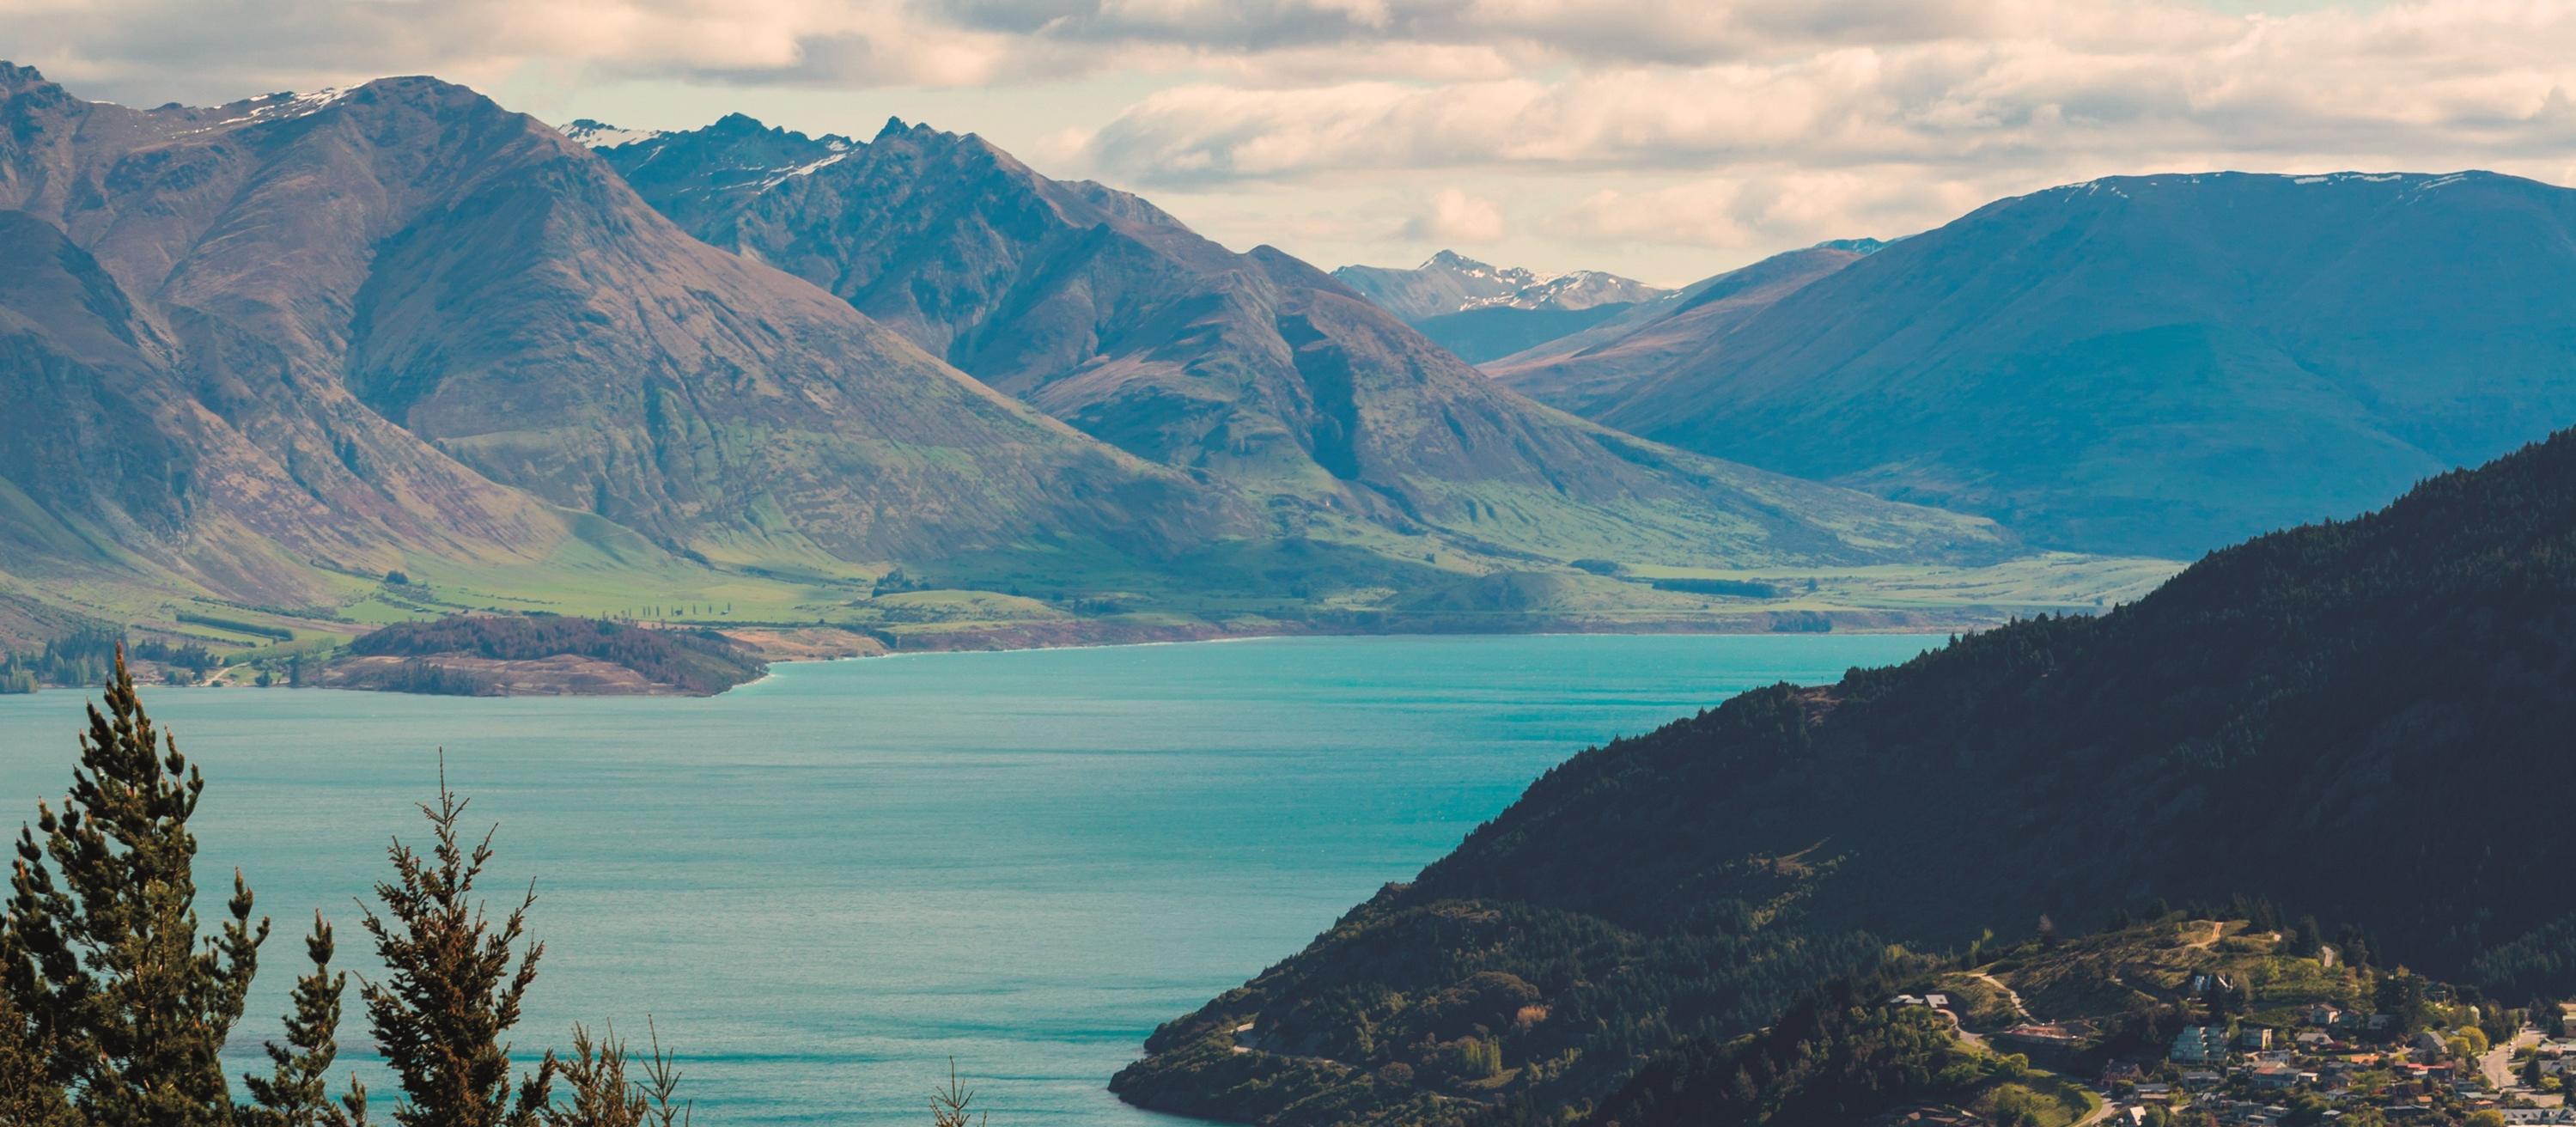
x=2364 y=721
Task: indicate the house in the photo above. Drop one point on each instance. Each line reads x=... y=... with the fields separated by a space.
x=2254 y=1038
x=2428 y=1041
x=2280 y=1077
x=2201 y=1078
x=2323 y=1014
x=2121 y=1072
x=1937 y=1001
x=2040 y=1036
x=1905 y=1000
x=2312 y=1041
x=2200 y=1044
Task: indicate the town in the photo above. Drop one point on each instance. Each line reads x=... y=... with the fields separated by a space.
x=2233 y=1024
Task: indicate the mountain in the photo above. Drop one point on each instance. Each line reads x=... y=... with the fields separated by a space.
x=262 y=346
x=1481 y=312
x=2359 y=721
x=1450 y=282
x=1588 y=371
x=1253 y=370
x=2157 y=364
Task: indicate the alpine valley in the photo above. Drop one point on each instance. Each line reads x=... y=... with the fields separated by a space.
x=393 y=388
x=282 y=370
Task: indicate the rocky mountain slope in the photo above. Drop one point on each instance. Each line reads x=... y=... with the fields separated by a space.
x=1481 y=311
x=1254 y=370
x=1449 y=282
x=2157 y=364
x=2280 y=722
x=411 y=250
x=1589 y=371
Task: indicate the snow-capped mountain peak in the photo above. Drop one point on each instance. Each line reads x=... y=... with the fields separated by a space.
x=591 y=134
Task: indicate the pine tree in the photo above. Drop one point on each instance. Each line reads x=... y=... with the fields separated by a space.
x=451 y=993
x=126 y=1004
x=601 y=1094
x=952 y=1106
x=28 y=1097
x=296 y=1093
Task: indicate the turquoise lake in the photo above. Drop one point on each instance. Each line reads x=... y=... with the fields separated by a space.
x=825 y=885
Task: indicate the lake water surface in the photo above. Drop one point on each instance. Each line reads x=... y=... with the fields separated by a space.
x=825 y=885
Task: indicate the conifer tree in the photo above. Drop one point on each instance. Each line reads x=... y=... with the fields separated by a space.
x=952 y=1106
x=117 y=993
x=452 y=994
x=296 y=1093
x=601 y=1094
x=28 y=1097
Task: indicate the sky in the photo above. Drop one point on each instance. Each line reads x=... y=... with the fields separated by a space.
x=1663 y=139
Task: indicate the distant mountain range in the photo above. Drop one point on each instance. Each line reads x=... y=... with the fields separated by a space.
x=2154 y=364
x=262 y=354
x=338 y=329
x=1450 y=282
x=1593 y=369
x=1480 y=311
x=1253 y=370
x=2275 y=726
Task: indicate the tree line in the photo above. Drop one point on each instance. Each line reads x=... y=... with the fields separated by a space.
x=116 y=999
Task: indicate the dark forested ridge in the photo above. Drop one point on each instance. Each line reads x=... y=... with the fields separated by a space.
x=2366 y=721
x=696 y=662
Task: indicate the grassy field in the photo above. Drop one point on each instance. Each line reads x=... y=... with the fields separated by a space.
x=1345 y=578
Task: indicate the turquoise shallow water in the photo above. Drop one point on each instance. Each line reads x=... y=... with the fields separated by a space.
x=824 y=885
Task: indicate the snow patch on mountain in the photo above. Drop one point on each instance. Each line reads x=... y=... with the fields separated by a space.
x=284 y=106
x=591 y=134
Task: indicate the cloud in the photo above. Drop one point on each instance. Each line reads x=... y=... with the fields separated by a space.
x=2467 y=81
x=1456 y=217
x=1731 y=122
x=1756 y=125
x=1765 y=211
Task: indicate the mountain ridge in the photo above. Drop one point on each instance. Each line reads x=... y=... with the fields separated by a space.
x=1250 y=368
x=2160 y=363
x=2263 y=726
x=468 y=338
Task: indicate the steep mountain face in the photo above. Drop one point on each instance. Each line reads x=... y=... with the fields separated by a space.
x=1482 y=312
x=1450 y=282
x=1254 y=370
x=1589 y=371
x=2158 y=364
x=2280 y=722
x=401 y=318
x=155 y=430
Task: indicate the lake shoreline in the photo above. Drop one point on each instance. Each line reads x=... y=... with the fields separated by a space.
x=776 y=645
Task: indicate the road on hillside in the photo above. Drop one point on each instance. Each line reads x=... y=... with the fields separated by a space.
x=2498 y=1063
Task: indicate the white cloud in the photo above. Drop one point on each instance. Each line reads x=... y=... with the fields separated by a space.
x=1735 y=122
x=2462 y=80
x=1765 y=211
x=1456 y=217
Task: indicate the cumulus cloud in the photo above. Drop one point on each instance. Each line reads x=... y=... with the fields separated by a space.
x=1766 y=210
x=1741 y=122
x=1456 y=217
x=2465 y=80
